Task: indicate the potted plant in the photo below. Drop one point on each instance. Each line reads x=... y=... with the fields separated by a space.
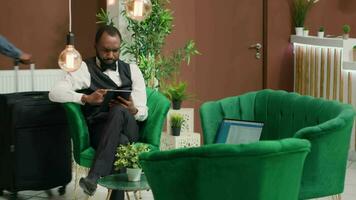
x=148 y=39
x=305 y=32
x=127 y=157
x=300 y=10
x=354 y=53
x=346 y=29
x=176 y=120
x=176 y=92
x=321 y=32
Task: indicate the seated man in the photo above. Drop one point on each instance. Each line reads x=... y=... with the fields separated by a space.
x=109 y=128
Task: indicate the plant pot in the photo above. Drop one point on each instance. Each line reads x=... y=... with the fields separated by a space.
x=176 y=105
x=299 y=31
x=176 y=131
x=305 y=33
x=320 y=34
x=345 y=36
x=133 y=174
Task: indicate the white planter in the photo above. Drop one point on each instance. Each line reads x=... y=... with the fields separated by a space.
x=299 y=31
x=320 y=34
x=306 y=33
x=133 y=174
x=345 y=36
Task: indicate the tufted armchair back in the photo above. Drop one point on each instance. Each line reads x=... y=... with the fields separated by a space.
x=151 y=129
x=326 y=124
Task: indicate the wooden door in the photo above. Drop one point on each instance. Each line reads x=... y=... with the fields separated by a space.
x=225 y=30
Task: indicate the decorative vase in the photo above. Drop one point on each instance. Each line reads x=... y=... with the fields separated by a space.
x=299 y=31
x=305 y=33
x=345 y=36
x=133 y=174
x=176 y=131
x=320 y=34
x=176 y=104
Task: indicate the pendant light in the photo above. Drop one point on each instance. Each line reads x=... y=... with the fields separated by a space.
x=138 y=10
x=70 y=59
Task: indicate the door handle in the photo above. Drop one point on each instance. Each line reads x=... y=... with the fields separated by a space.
x=256 y=46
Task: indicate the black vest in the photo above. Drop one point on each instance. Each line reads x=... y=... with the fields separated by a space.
x=99 y=80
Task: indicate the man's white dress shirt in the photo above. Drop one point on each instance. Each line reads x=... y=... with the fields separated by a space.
x=65 y=90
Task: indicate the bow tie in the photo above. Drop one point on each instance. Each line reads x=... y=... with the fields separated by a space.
x=104 y=67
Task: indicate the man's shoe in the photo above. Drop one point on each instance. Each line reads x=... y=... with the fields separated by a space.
x=88 y=186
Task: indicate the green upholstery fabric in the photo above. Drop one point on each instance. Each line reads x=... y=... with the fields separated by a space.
x=82 y=152
x=150 y=130
x=326 y=124
x=265 y=170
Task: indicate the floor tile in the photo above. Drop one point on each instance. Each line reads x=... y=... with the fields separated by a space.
x=20 y=196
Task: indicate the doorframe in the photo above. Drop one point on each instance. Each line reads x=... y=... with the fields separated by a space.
x=264 y=42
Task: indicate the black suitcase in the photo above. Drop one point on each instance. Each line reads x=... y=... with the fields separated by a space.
x=35 y=149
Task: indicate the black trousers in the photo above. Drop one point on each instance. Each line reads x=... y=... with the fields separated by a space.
x=107 y=131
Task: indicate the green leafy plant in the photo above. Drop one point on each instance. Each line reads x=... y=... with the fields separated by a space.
x=104 y=18
x=127 y=155
x=346 y=28
x=176 y=120
x=321 y=29
x=354 y=47
x=148 y=39
x=300 y=10
x=176 y=91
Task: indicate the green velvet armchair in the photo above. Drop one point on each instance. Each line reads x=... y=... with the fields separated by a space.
x=150 y=130
x=265 y=170
x=326 y=124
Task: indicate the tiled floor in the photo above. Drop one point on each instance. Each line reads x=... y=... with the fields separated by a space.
x=349 y=193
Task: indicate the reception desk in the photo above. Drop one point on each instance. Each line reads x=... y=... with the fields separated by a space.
x=325 y=67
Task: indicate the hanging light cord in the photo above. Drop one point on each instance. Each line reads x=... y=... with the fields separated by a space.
x=70 y=15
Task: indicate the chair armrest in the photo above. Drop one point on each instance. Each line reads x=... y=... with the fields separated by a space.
x=345 y=118
x=78 y=127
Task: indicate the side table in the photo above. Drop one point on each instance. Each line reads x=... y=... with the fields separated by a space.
x=120 y=182
x=184 y=140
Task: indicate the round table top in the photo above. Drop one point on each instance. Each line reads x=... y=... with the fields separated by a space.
x=120 y=182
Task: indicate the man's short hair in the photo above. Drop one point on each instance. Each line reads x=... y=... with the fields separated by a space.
x=111 y=30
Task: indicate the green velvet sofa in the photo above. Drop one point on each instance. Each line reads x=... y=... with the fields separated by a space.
x=265 y=170
x=326 y=124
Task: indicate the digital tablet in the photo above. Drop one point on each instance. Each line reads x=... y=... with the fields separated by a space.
x=113 y=94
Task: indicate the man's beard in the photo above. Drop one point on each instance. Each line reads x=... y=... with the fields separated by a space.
x=104 y=63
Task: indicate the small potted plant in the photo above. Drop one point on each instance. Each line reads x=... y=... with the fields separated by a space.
x=300 y=9
x=127 y=157
x=305 y=32
x=354 y=53
x=176 y=120
x=321 y=32
x=346 y=29
x=176 y=92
